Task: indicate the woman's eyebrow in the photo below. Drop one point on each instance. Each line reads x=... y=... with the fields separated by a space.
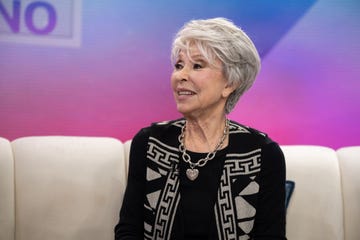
x=197 y=56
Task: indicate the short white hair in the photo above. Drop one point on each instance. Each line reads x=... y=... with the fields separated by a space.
x=220 y=38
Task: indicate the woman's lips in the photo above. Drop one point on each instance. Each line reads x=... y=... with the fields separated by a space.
x=185 y=92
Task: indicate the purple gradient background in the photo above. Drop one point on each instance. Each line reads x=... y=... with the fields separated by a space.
x=118 y=80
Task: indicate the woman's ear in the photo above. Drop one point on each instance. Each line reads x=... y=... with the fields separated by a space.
x=229 y=88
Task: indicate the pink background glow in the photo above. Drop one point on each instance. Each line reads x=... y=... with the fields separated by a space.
x=118 y=80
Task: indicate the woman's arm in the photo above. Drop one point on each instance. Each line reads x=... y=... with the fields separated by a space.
x=270 y=212
x=131 y=224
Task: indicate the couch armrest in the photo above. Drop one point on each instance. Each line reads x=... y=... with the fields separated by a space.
x=7 y=191
x=349 y=160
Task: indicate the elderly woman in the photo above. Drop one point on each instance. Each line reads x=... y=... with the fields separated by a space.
x=204 y=176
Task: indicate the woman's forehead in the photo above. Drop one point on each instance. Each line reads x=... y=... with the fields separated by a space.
x=191 y=50
x=191 y=53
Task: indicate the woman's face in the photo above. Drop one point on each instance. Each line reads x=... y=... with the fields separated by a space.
x=199 y=88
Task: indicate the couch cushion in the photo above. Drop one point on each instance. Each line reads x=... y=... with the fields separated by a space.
x=349 y=159
x=68 y=187
x=7 y=206
x=315 y=210
x=127 y=146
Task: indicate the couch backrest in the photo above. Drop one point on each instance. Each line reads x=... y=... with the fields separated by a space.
x=7 y=191
x=349 y=160
x=72 y=188
x=315 y=210
x=68 y=187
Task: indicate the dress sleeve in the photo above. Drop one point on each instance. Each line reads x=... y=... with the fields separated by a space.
x=270 y=213
x=131 y=223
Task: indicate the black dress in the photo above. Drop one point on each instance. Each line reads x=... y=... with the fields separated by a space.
x=240 y=194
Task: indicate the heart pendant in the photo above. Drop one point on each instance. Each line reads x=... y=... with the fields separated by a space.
x=192 y=174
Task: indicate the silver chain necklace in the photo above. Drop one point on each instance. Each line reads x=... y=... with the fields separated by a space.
x=192 y=173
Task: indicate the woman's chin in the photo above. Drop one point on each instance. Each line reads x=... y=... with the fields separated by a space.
x=185 y=112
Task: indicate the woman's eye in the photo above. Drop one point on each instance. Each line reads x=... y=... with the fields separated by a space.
x=178 y=66
x=197 y=66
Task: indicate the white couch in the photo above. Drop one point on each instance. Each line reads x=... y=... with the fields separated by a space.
x=66 y=188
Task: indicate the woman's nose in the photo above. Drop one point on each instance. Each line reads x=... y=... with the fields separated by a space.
x=184 y=74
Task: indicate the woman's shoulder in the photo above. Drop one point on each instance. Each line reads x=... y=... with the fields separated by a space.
x=157 y=129
x=247 y=139
x=235 y=127
x=177 y=123
x=249 y=133
x=163 y=125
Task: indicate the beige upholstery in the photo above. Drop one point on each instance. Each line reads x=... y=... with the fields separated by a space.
x=71 y=188
x=68 y=187
x=349 y=159
x=315 y=210
x=7 y=194
x=127 y=146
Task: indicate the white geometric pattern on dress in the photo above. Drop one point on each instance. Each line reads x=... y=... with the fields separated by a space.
x=153 y=198
x=152 y=175
x=161 y=202
x=232 y=213
x=167 y=207
x=246 y=226
x=161 y=154
x=252 y=188
x=234 y=128
x=243 y=208
x=244 y=164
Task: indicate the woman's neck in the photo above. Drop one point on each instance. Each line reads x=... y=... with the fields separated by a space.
x=203 y=135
